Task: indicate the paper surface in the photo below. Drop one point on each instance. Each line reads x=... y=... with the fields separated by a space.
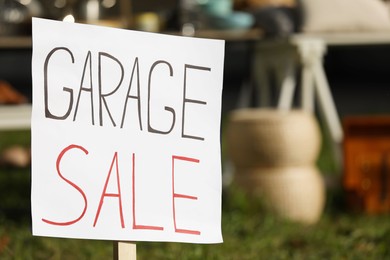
x=125 y=134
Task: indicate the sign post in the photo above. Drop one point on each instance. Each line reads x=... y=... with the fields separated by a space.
x=125 y=251
x=125 y=135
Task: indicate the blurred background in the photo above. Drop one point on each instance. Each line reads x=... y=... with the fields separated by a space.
x=276 y=150
x=357 y=69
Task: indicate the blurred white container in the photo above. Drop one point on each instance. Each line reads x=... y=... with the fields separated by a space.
x=295 y=193
x=274 y=153
x=266 y=138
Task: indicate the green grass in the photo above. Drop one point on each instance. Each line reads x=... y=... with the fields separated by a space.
x=249 y=231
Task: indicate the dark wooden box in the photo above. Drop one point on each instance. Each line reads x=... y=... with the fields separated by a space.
x=366 y=179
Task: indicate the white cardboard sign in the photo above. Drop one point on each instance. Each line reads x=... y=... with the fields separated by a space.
x=125 y=134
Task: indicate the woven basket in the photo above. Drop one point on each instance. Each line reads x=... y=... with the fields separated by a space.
x=261 y=137
x=295 y=193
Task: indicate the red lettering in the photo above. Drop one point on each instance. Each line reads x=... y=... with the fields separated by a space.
x=135 y=226
x=117 y=194
x=114 y=195
x=59 y=158
x=181 y=196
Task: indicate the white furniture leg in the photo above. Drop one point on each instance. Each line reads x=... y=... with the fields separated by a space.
x=326 y=103
x=311 y=52
x=288 y=87
x=307 y=92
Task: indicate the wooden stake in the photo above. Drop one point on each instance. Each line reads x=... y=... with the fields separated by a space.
x=125 y=251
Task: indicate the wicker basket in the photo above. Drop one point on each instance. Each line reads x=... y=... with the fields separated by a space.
x=296 y=193
x=265 y=138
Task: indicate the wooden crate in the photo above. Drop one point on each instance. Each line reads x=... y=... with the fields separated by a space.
x=367 y=163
